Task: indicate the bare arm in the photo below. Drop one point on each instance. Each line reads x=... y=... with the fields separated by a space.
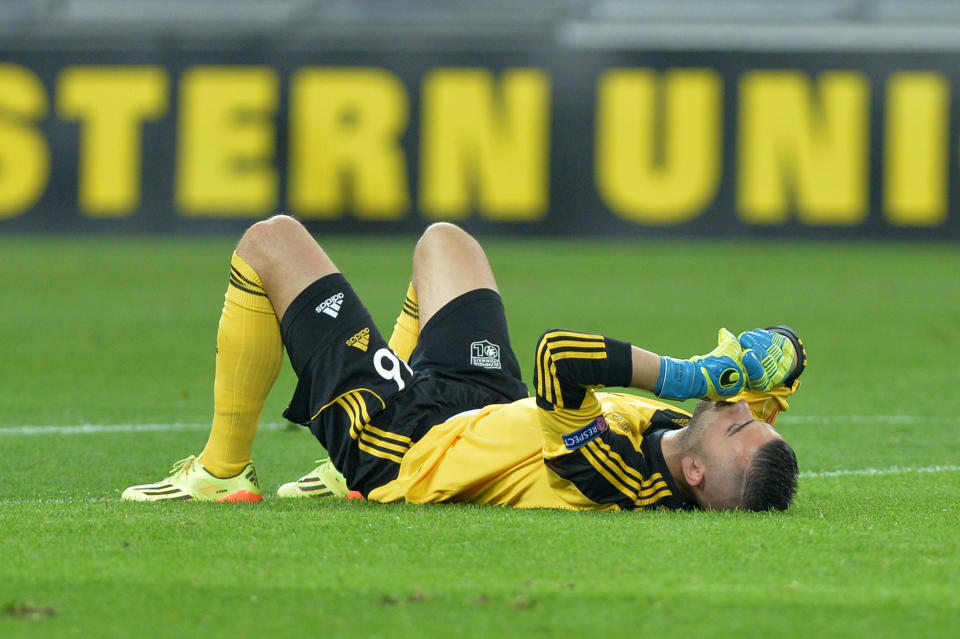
x=646 y=369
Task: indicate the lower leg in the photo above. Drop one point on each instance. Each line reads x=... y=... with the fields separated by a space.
x=249 y=355
x=406 y=330
x=274 y=261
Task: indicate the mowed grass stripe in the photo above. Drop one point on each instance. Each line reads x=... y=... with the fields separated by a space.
x=93 y=429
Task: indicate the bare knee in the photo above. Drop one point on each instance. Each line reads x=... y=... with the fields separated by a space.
x=270 y=240
x=439 y=230
x=441 y=236
x=448 y=262
x=286 y=257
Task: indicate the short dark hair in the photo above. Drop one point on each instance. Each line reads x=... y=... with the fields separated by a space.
x=771 y=479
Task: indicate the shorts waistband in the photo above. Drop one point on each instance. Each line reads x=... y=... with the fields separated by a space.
x=462 y=300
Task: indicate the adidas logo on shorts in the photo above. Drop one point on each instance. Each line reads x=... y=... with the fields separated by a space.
x=361 y=340
x=331 y=305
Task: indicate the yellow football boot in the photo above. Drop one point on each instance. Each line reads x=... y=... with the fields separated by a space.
x=189 y=480
x=323 y=481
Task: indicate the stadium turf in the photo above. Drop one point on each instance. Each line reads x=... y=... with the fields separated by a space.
x=117 y=334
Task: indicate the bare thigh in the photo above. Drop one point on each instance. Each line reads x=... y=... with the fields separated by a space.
x=447 y=263
x=286 y=257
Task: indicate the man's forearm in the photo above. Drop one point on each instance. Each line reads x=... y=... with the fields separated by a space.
x=646 y=369
x=716 y=375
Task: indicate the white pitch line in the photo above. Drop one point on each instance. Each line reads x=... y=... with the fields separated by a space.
x=867 y=419
x=869 y=472
x=93 y=429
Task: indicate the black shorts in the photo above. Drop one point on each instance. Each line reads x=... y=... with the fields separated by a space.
x=364 y=404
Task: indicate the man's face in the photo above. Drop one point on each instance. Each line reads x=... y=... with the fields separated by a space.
x=724 y=437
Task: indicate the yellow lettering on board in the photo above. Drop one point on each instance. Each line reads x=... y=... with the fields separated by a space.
x=24 y=154
x=659 y=143
x=345 y=152
x=226 y=141
x=485 y=141
x=113 y=103
x=813 y=143
x=915 y=151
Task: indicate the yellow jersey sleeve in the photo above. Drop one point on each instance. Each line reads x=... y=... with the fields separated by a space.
x=588 y=464
x=569 y=367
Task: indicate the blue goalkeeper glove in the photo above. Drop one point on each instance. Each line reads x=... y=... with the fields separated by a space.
x=717 y=375
x=768 y=358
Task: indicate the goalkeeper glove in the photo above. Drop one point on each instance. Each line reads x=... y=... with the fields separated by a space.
x=768 y=358
x=717 y=375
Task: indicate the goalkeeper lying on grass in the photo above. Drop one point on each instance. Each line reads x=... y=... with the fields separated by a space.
x=441 y=413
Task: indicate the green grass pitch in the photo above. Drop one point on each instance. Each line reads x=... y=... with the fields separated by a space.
x=120 y=332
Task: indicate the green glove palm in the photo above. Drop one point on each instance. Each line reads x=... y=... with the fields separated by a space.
x=768 y=358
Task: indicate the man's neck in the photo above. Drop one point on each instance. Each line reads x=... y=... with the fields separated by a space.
x=672 y=454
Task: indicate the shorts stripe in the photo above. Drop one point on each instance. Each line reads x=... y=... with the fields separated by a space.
x=370 y=439
x=357 y=411
x=336 y=400
x=376 y=452
x=382 y=443
x=351 y=412
x=361 y=404
x=401 y=439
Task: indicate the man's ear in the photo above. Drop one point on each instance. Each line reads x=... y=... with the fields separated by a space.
x=693 y=468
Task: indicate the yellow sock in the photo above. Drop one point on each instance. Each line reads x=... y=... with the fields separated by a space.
x=249 y=355
x=407 y=329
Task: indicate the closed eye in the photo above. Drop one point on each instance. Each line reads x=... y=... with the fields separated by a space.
x=733 y=429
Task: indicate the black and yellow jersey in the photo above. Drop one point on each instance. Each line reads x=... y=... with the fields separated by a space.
x=570 y=447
